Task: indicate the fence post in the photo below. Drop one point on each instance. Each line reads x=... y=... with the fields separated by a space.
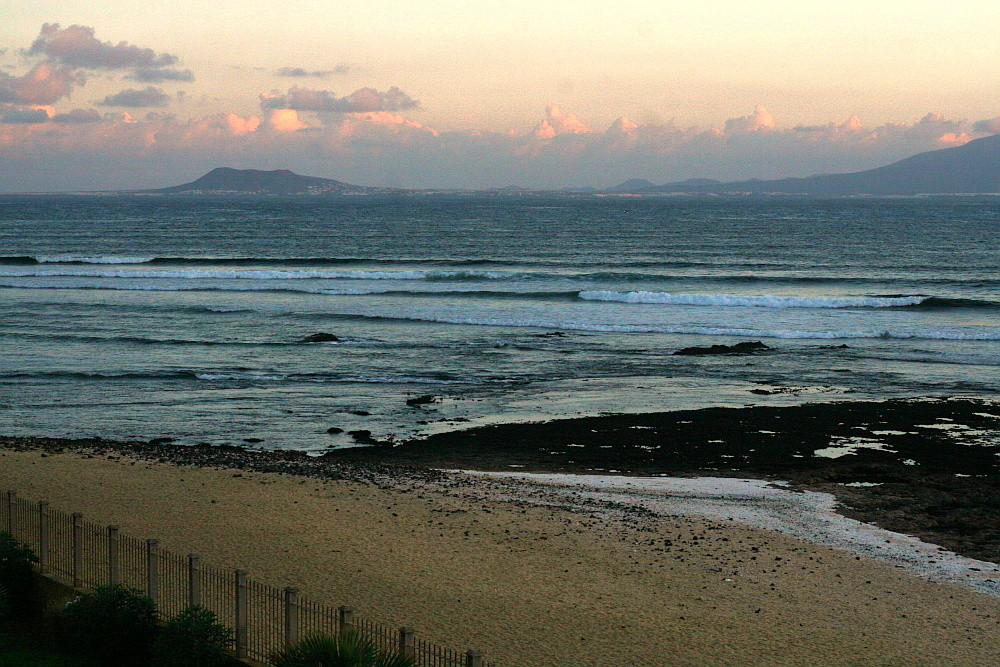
x=153 y=569
x=345 y=618
x=194 y=580
x=43 y=535
x=473 y=658
x=77 y=541
x=291 y=616
x=114 y=572
x=241 y=613
x=9 y=503
x=407 y=642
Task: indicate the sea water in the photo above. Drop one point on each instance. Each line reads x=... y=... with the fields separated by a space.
x=143 y=317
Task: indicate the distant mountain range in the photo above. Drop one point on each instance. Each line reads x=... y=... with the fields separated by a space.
x=972 y=168
x=968 y=169
x=228 y=181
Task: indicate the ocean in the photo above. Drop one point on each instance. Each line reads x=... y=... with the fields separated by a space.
x=184 y=318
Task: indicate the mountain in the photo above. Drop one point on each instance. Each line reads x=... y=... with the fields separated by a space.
x=225 y=180
x=968 y=169
x=633 y=185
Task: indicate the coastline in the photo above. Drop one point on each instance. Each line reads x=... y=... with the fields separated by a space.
x=926 y=467
x=527 y=576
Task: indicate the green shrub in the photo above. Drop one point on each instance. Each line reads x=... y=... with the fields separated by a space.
x=18 y=650
x=347 y=650
x=114 y=624
x=16 y=575
x=193 y=638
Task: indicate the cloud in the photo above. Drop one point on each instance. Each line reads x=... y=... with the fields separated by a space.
x=988 y=126
x=360 y=101
x=25 y=116
x=78 y=116
x=299 y=72
x=76 y=46
x=45 y=83
x=933 y=128
x=159 y=75
x=130 y=97
x=760 y=119
x=852 y=125
x=557 y=122
x=286 y=120
x=364 y=147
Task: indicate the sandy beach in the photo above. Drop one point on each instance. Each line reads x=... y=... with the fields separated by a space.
x=528 y=575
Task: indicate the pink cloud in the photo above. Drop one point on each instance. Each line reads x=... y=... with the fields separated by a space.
x=361 y=143
x=45 y=83
x=557 y=122
x=954 y=138
x=76 y=46
x=360 y=101
x=760 y=119
x=286 y=120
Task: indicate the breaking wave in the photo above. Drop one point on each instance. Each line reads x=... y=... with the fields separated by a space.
x=236 y=376
x=916 y=334
x=65 y=269
x=759 y=301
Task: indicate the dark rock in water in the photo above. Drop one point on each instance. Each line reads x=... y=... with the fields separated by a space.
x=363 y=436
x=252 y=441
x=551 y=334
x=161 y=441
x=361 y=413
x=423 y=400
x=333 y=430
x=740 y=348
x=320 y=338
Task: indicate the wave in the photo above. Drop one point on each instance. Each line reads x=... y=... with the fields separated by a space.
x=73 y=259
x=302 y=289
x=239 y=376
x=759 y=301
x=448 y=276
x=339 y=261
x=896 y=301
x=946 y=303
x=254 y=274
x=924 y=334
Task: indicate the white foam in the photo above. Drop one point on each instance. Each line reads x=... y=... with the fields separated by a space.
x=238 y=274
x=239 y=376
x=711 y=331
x=55 y=259
x=809 y=515
x=255 y=377
x=843 y=446
x=757 y=301
x=158 y=286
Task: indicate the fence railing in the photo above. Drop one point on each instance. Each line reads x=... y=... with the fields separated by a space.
x=264 y=618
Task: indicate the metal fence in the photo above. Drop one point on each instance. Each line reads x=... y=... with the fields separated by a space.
x=264 y=618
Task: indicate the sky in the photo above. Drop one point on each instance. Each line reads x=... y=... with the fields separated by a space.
x=451 y=94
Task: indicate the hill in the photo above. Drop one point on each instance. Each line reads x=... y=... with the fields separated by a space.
x=968 y=169
x=226 y=180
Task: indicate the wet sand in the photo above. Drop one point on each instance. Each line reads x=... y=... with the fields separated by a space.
x=528 y=575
